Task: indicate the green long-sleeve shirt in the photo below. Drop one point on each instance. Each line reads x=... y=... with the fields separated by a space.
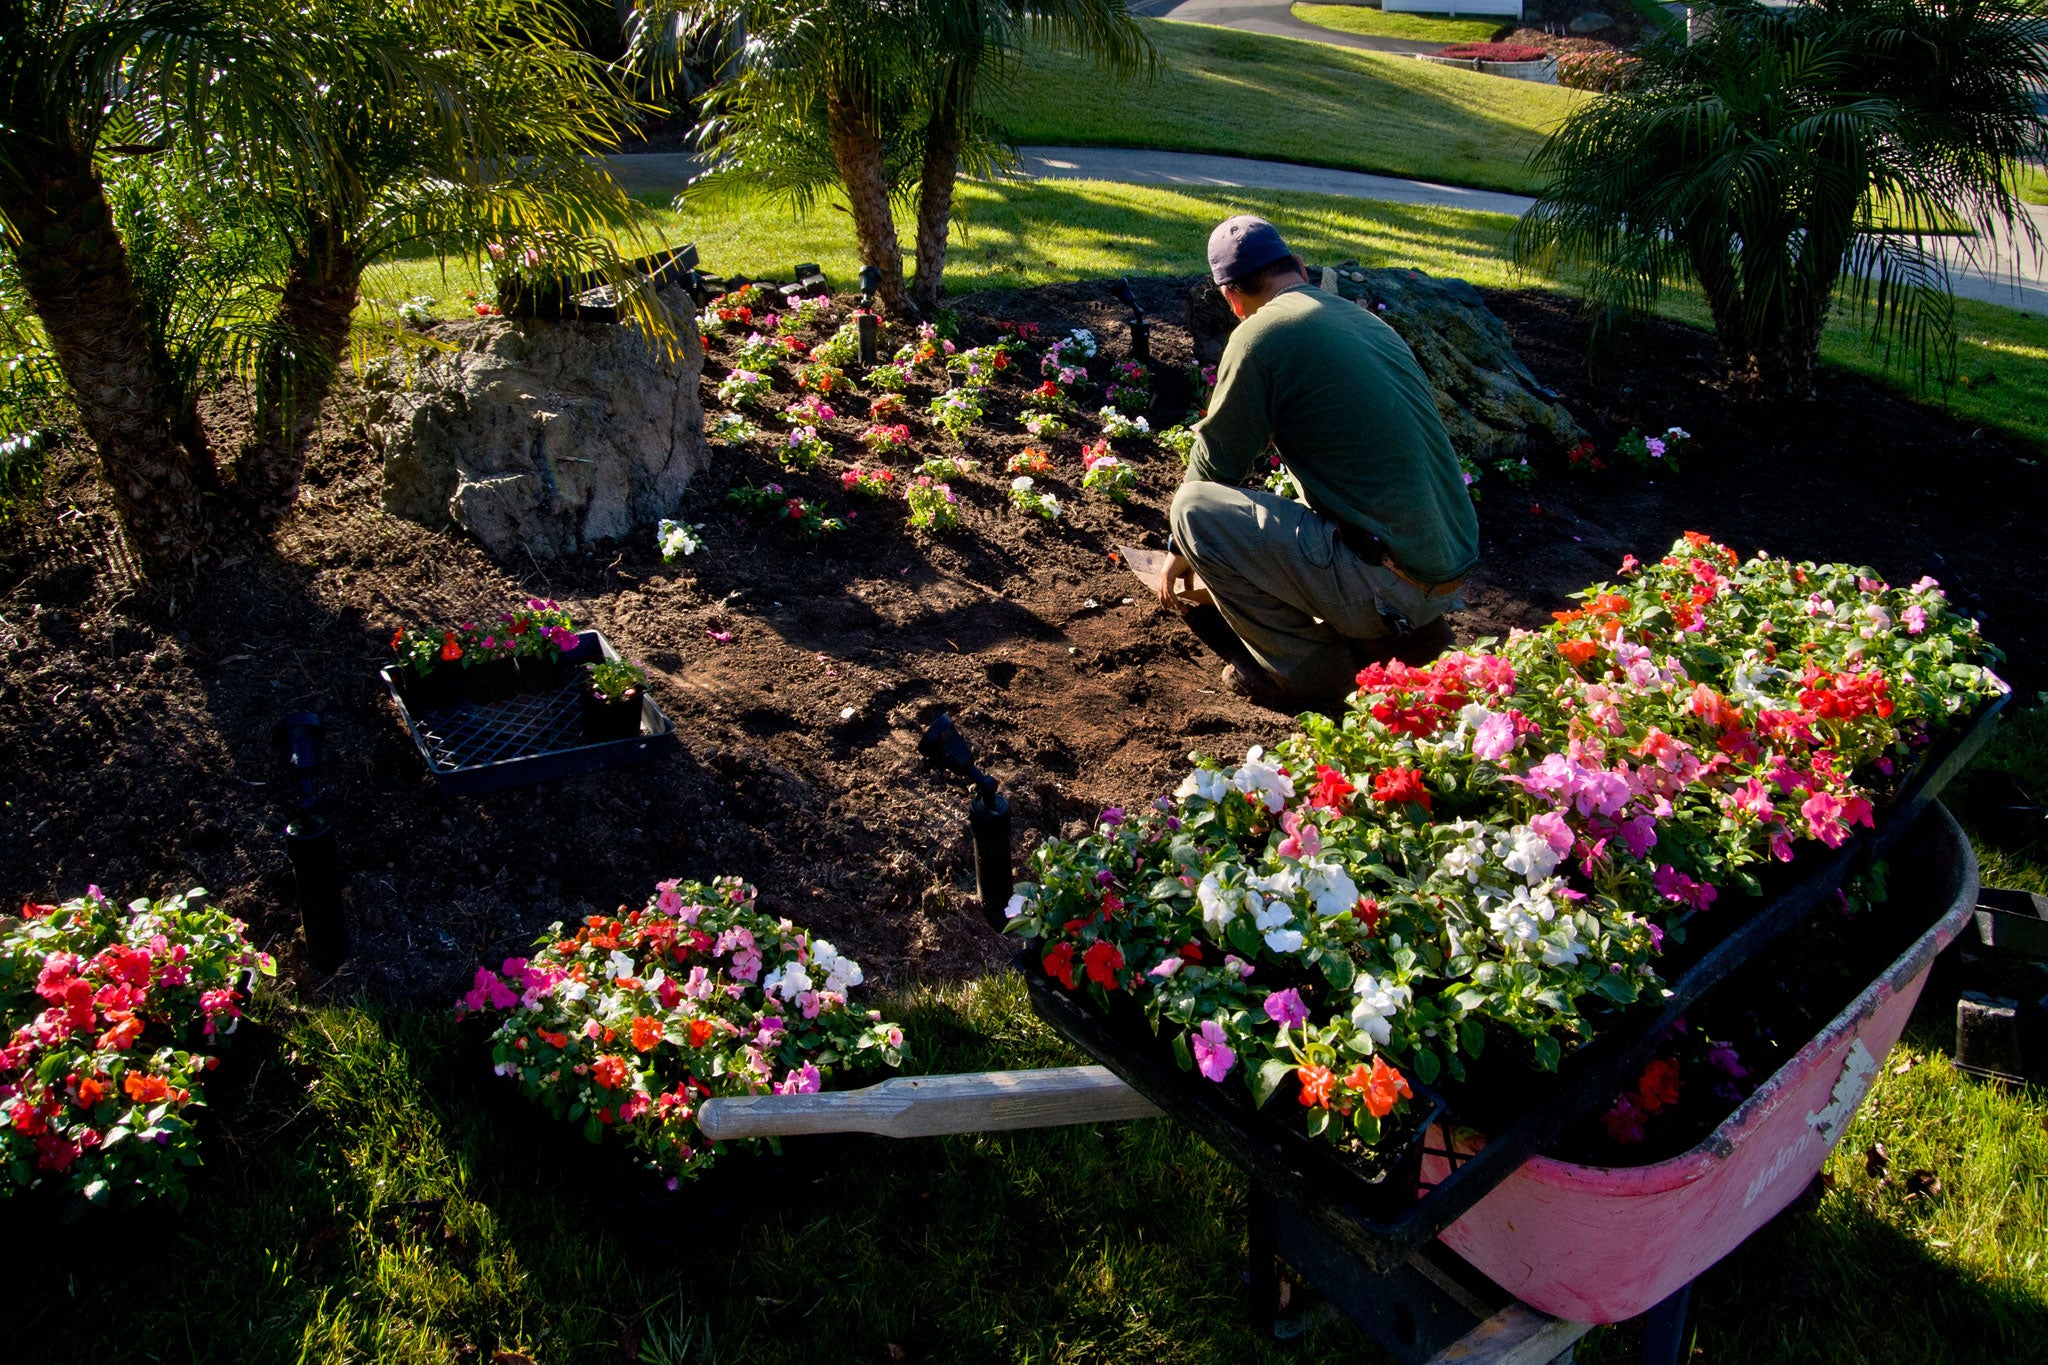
x=1340 y=396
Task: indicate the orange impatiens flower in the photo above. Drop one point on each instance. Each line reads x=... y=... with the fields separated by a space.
x=646 y=1033
x=91 y=1091
x=121 y=1036
x=1577 y=653
x=609 y=1072
x=1383 y=1087
x=700 y=1032
x=1316 y=1083
x=145 y=1089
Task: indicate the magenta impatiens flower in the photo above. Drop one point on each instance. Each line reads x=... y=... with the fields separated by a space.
x=1285 y=1008
x=1213 y=1057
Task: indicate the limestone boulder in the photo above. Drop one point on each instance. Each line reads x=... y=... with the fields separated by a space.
x=539 y=438
x=1492 y=406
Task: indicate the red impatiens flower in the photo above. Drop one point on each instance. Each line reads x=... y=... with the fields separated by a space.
x=1331 y=790
x=1103 y=960
x=1316 y=1083
x=646 y=1033
x=1659 y=1087
x=1368 y=913
x=609 y=1072
x=1059 y=963
x=1398 y=785
x=450 y=651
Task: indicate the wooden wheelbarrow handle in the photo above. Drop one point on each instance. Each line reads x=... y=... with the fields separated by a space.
x=925 y=1106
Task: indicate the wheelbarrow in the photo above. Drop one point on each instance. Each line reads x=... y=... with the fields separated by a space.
x=1554 y=1248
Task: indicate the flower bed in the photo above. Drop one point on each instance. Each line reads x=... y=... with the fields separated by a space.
x=1493 y=855
x=627 y=1023
x=111 y=1016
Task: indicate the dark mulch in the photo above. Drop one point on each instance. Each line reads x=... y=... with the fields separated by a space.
x=139 y=731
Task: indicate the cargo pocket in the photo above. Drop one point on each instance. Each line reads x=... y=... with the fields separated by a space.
x=1316 y=537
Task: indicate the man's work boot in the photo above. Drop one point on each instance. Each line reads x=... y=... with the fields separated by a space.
x=1415 y=647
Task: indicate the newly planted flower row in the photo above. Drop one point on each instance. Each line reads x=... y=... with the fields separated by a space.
x=759 y=345
x=1482 y=849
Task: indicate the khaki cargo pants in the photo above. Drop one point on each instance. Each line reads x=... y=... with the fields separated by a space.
x=1293 y=591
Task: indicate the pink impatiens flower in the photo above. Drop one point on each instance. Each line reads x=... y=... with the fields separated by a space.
x=1303 y=839
x=1213 y=1057
x=1915 y=619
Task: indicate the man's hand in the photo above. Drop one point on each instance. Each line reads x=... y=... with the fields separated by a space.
x=1177 y=569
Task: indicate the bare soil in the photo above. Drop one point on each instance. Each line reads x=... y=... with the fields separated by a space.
x=139 y=727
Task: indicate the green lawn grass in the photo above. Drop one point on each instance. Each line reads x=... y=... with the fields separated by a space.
x=1375 y=22
x=1021 y=233
x=373 y=1202
x=1245 y=94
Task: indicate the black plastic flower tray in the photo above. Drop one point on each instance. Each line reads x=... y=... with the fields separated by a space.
x=1311 y=1178
x=525 y=738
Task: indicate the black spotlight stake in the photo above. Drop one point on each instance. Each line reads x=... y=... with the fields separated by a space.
x=988 y=817
x=309 y=843
x=1141 y=330
x=869 y=326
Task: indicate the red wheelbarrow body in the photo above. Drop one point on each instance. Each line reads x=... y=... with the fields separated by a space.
x=1600 y=1244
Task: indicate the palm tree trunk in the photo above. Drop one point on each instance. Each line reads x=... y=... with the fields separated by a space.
x=297 y=369
x=74 y=268
x=857 y=152
x=945 y=135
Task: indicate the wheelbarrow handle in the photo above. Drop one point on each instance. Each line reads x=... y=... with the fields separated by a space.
x=925 y=1106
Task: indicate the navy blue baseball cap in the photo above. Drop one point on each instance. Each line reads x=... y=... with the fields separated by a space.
x=1243 y=246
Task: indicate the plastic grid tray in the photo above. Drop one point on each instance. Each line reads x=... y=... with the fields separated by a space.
x=528 y=737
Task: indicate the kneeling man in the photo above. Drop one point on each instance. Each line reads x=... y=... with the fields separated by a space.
x=1365 y=565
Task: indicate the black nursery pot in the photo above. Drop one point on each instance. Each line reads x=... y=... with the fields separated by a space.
x=608 y=718
x=440 y=689
x=549 y=673
x=492 y=681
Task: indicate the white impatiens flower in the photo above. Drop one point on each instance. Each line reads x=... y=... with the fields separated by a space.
x=1263 y=779
x=1207 y=783
x=1750 y=675
x=1376 y=1004
x=841 y=973
x=1280 y=885
x=788 y=981
x=1014 y=907
x=1465 y=859
x=1513 y=923
x=1561 y=946
x=1526 y=853
x=1218 y=905
x=621 y=965
x=1331 y=889
x=677 y=541
x=1273 y=919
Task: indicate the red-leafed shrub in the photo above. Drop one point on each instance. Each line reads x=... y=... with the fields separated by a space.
x=1494 y=52
x=1600 y=71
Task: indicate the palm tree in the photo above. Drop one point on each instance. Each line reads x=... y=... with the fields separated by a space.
x=974 y=43
x=74 y=74
x=1788 y=150
x=821 y=95
x=397 y=174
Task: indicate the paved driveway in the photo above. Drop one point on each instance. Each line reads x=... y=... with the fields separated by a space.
x=1270 y=16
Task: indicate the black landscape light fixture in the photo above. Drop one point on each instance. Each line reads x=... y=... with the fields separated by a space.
x=988 y=816
x=309 y=844
x=810 y=279
x=869 y=326
x=1141 y=330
